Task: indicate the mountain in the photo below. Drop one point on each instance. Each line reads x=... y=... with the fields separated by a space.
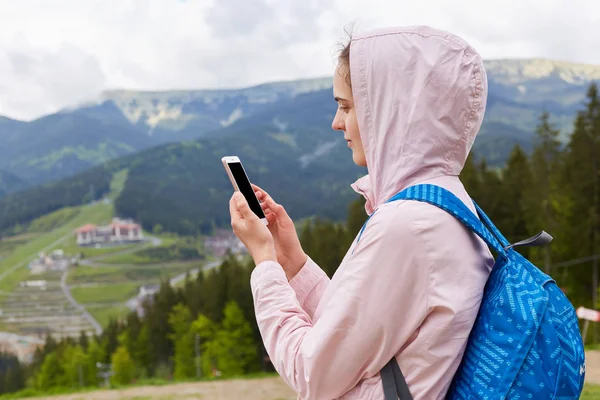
x=62 y=144
x=520 y=89
x=180 y=115
x=292 y=117
x=10 y=183
x=287 y=147
x=182 y=187
x=124 y=122
x=9 y=129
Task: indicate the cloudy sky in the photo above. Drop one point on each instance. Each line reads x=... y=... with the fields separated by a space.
x=57 y=53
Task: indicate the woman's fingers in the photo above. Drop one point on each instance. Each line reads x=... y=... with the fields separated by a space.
x=267 y=202
x=271 y=218
x=261 y=194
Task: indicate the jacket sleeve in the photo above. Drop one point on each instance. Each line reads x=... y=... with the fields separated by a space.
x=379 y=302
x=309 y=284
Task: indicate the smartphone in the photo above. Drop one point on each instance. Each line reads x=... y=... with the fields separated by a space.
x=239 y=180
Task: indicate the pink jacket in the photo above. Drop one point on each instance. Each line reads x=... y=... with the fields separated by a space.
x=413 y=285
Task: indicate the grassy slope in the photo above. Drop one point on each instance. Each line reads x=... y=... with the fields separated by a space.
x=60 y=225
x=118 y=274
x=113 y=285
x=116 y=283
x=12 y=268
x=112 y=293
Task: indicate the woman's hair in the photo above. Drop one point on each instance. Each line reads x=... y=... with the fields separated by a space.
x=344 y=58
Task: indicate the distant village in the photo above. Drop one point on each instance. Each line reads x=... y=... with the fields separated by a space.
x=117 y=232
x=222 y=241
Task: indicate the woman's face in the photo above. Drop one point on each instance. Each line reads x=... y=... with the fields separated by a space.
x=345 y=117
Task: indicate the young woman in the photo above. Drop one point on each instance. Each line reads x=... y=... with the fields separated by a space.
x=411 y=101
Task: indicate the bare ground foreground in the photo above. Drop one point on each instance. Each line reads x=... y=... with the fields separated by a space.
x=592 y=367
x=251 y=389
x=272 y=388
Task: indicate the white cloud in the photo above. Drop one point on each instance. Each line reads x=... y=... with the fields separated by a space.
x=58 y=53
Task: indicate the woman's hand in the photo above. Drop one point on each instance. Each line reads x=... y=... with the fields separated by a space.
x=251 y=230
x=289 y=250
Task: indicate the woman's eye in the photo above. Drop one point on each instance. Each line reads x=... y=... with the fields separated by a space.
x=345 y=109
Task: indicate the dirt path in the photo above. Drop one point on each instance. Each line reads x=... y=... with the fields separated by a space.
x=592 y=367
x=250 y=389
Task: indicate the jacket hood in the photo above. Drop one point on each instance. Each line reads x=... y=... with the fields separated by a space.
x=420 y=96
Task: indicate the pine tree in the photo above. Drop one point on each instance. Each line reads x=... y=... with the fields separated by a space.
x=12 y=374
x=94 y=355
x=485 y=187
x=74 y=362
x=581 y=208
x=158 y=324
x=470 y=177
x=214 y=290
x=142 y=357
x=110 y=339
x=541 y=197
x=238 y=353
x=207 y=329
x=516 y=180
x=51 y=373
x=356 y=217
x=83 y=340
x=180 y=320
x=122 y=366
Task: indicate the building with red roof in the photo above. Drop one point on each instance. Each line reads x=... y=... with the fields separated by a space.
x=118 y=231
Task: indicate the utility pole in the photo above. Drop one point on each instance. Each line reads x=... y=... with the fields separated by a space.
x=105 y=371
x=594 y=225
x=80 y=373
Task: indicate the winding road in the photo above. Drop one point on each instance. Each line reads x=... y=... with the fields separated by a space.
x=67 y=292
x=95 y=262
x=90 y=262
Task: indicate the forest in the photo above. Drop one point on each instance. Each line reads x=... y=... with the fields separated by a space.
x=19 y=208
x=555 y=188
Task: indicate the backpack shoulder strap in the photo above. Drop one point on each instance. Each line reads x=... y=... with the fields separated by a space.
x=394 y=385
x=448 y=202
x=487 y=222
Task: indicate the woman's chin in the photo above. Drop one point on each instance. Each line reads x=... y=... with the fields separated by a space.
x=358 y=160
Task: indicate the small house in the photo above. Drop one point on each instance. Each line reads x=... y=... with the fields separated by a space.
x=118 y=231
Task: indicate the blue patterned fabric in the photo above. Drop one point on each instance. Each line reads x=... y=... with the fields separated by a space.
x=525 y=342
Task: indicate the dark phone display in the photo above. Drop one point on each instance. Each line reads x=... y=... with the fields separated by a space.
x=241 y=179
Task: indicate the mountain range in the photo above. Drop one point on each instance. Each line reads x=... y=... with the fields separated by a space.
x=171 y=141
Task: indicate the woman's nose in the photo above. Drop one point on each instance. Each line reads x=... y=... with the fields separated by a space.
x=337 y=124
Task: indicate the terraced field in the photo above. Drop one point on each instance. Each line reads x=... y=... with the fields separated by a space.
x=36 y=310
x=85 y=296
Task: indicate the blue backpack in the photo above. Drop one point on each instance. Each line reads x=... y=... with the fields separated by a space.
x=525 y=342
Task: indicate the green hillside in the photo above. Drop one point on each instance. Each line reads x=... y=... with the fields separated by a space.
x=123 y=122
x=104 y=280
x=10 y=183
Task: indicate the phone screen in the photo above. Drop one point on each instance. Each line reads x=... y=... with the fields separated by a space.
x=241 y=179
